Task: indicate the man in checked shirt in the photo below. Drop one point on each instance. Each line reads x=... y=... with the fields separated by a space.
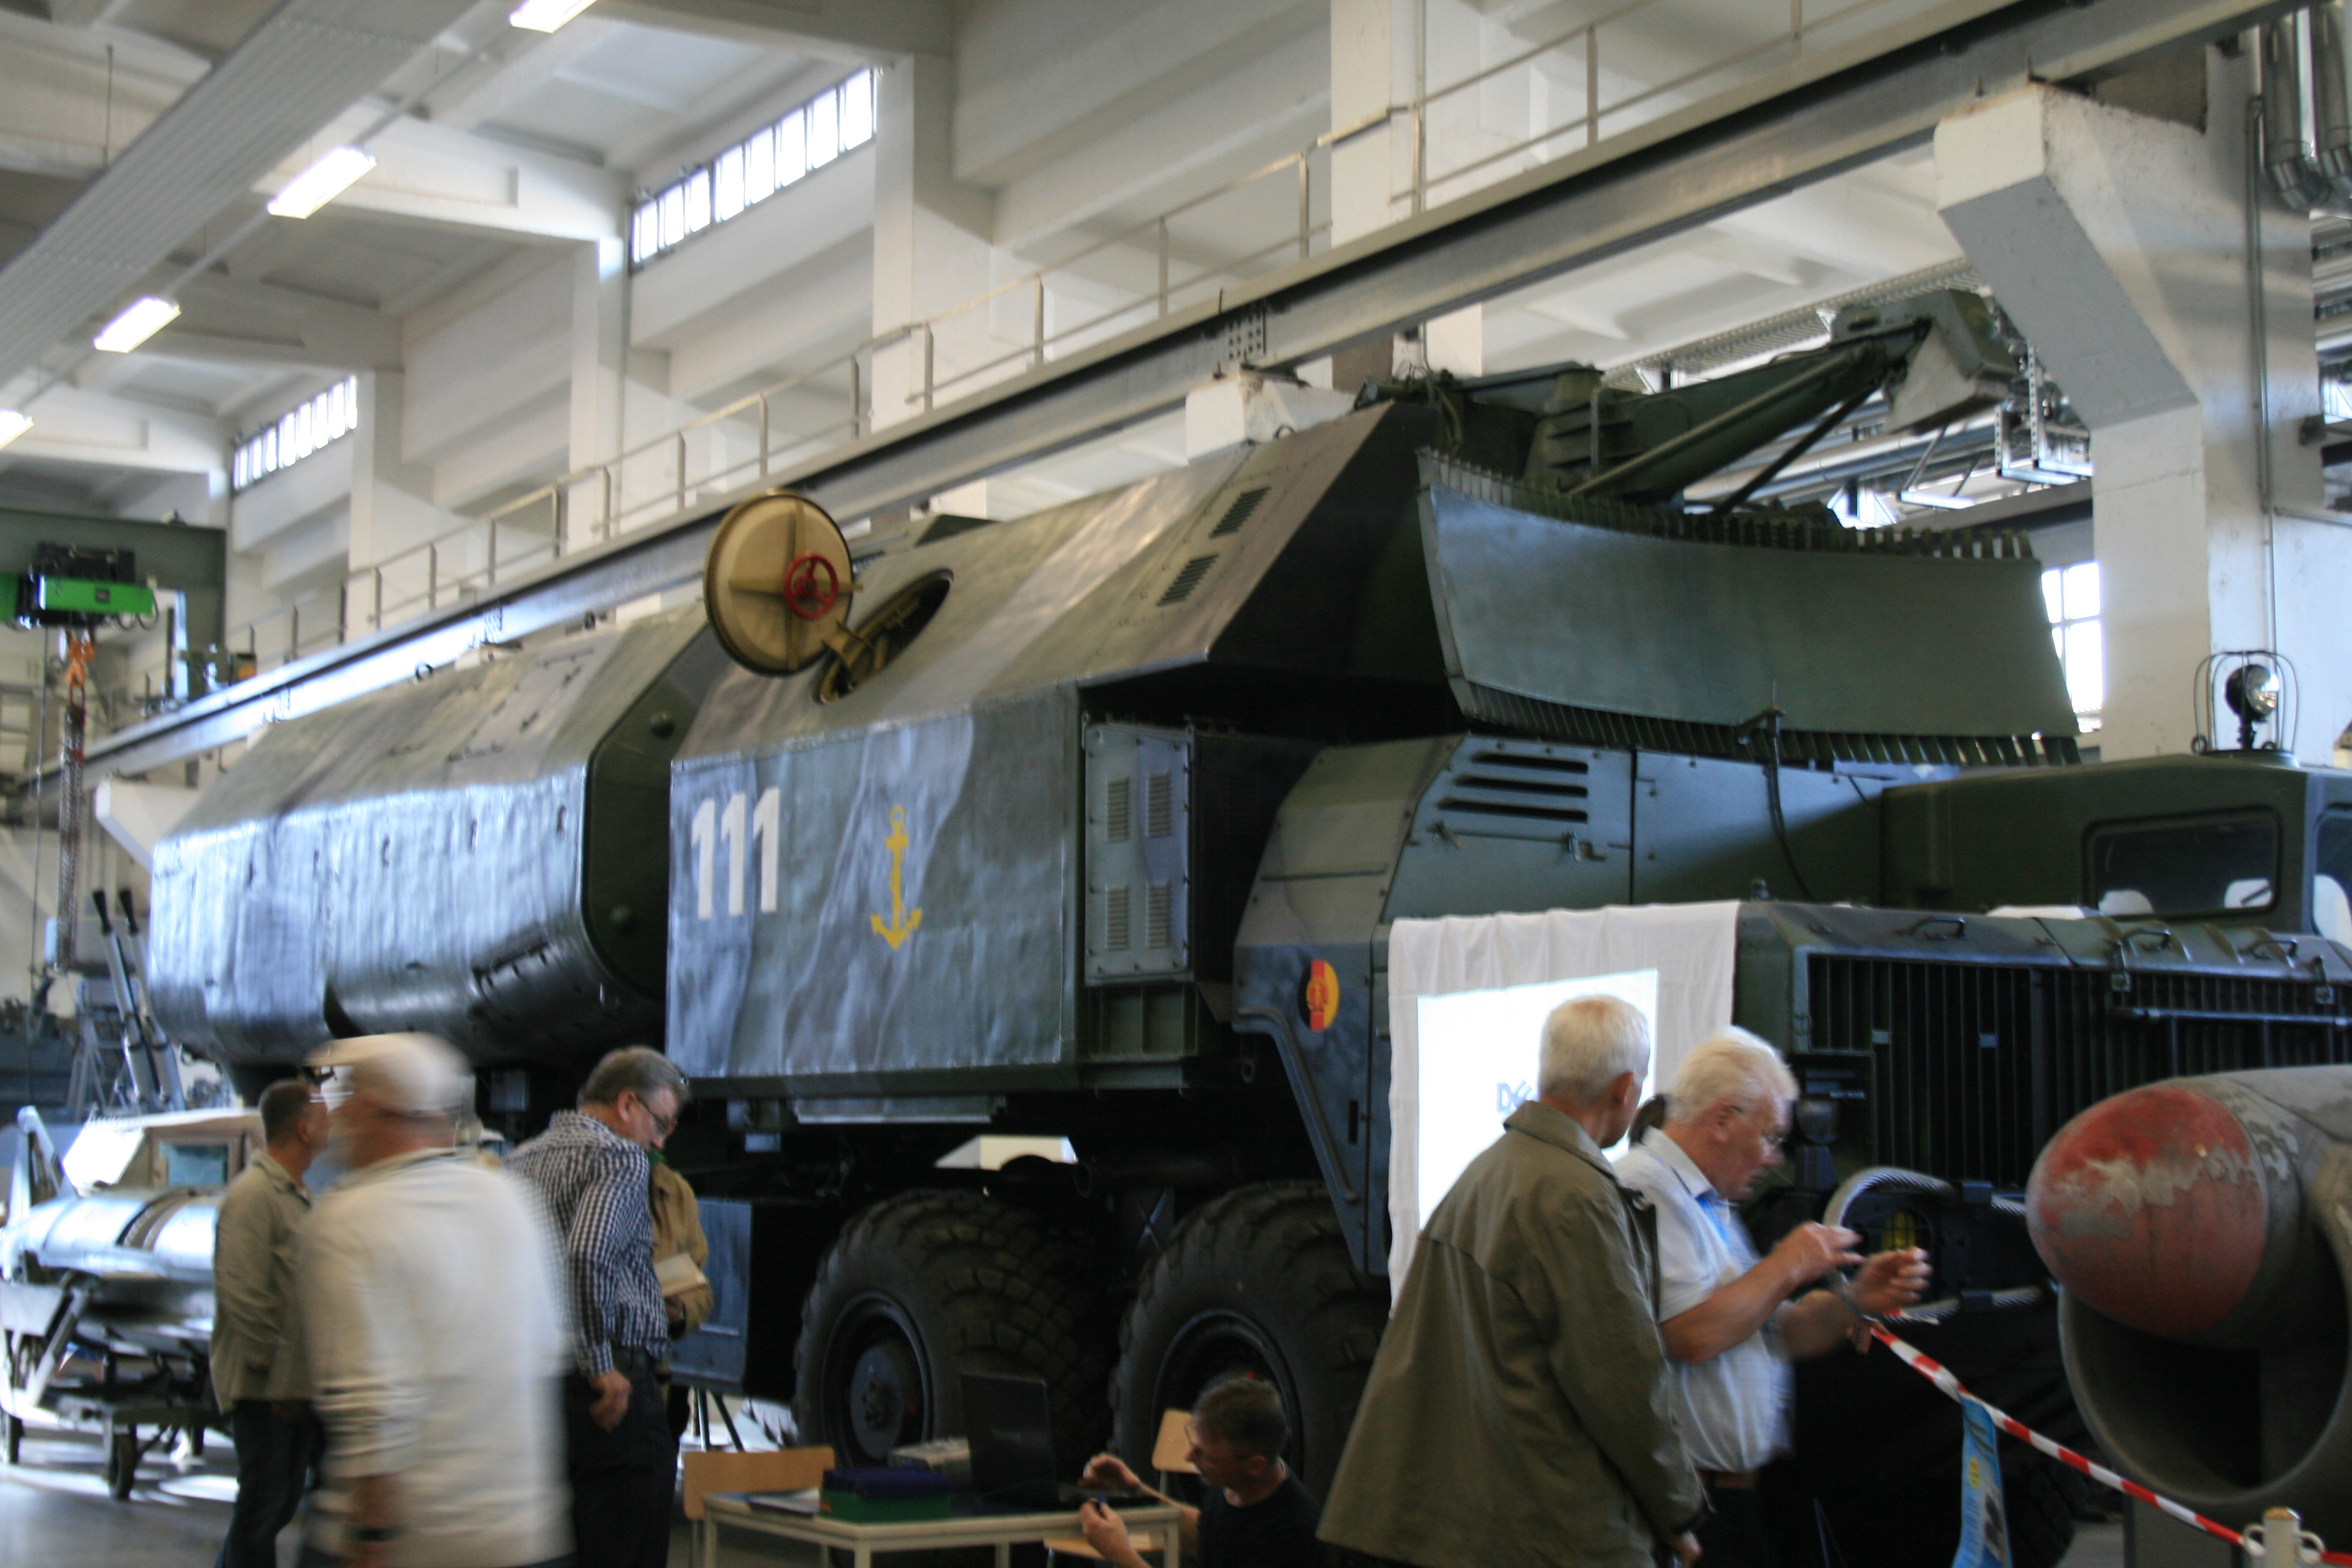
x=591 y=1168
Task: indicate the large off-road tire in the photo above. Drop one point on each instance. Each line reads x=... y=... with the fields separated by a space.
x=2039 y=1513
x=1257 y=1283
x=925 y=1287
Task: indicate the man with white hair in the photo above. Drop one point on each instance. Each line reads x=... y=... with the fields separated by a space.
x=430 y=1309
x=1731 y=1320
x=1518 y=1416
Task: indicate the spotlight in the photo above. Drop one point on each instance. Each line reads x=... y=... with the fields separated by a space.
x=2252 y=693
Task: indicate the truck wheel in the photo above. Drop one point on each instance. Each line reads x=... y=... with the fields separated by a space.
x=1258 y=1283
x=924 y=1287
x=2040 y=1519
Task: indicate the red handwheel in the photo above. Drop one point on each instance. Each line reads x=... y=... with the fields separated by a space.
x=803 y=594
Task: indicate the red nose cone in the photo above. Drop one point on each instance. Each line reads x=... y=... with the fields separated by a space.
x=2149 y=1207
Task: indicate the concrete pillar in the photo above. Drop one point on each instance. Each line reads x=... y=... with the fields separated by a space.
x=2118 y=242
x=1376 y=65
x=1374 y=53
x=1457 y=341
x=391 y=501
x=392 y=507
x=932 y=250
x=600 y=349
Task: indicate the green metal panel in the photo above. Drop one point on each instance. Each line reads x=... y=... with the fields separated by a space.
x=76 y=595
x=184 y=557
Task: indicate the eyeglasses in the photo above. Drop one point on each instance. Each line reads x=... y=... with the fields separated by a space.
x=663 y=1125
x=1777 y=1141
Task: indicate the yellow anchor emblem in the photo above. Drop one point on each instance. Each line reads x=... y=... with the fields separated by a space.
x=903 y=920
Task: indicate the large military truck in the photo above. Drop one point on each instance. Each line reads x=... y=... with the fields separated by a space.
x=1095 y=825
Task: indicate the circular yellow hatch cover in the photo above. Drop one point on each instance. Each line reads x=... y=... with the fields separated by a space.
x=776 y=583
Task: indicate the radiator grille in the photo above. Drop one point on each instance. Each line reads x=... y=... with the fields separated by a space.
x=1973 y=1067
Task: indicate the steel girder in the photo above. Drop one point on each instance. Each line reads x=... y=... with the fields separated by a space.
x=1640 y=186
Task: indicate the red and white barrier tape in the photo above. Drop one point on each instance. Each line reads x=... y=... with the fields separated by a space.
x=1937 y=1373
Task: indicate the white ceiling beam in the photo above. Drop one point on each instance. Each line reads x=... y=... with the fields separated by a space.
x=431 y=174
x=306 y=62
x=486 y=94
x=225 y=318
x=847 y=29
x=65 y=109
x=89 y=429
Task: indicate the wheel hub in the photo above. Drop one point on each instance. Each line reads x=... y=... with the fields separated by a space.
x=879 y=1397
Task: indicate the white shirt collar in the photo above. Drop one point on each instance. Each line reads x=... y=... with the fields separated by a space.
x=1675 y=1158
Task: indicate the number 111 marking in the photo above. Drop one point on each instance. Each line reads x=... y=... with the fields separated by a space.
x=711 y=827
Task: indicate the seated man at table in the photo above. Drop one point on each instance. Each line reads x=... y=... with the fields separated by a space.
x=1254 y=1512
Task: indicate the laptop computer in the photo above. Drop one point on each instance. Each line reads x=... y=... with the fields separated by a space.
x=1012 y=1438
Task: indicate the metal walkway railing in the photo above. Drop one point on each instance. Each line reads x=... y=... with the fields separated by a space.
x=1580 y=87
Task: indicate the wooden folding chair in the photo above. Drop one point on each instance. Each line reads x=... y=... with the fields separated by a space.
x=776 y=1470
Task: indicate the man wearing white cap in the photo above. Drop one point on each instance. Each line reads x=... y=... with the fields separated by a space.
x=430 y=1309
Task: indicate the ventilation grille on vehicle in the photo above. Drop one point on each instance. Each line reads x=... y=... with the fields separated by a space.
x=1119 y=928
x=1525 y=787
x=1118 y=810
x=1974 y=1065
x=1238 y=513
x=1158 y=805
x=1634 y=732
x=1188 y=579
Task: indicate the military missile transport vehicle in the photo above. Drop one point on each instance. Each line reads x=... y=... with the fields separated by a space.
x=1095 y=825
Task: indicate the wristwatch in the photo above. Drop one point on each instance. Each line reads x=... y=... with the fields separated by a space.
x=374 y=1534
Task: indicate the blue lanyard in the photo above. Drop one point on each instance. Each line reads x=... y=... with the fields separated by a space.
x=1720 y=1213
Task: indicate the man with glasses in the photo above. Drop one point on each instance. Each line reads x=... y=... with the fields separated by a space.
x=1731 y=1320
x=591 y=1168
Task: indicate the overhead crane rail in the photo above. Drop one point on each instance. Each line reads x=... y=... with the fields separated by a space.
x=1842 y=110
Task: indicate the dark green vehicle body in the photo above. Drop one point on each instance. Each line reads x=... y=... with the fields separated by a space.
x=1069 y=863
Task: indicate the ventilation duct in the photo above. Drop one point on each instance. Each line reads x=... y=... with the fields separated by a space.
x=2308 y=150
x=306 y=62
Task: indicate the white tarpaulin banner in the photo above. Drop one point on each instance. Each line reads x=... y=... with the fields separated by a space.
x=1467 y=997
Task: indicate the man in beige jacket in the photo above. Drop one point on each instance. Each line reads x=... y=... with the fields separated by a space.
x=1519 y=1415
x=258 y=1375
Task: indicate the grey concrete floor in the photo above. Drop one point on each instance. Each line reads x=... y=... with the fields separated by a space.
x=55 y=1513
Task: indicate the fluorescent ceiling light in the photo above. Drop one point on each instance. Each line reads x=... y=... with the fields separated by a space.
x=13 y=425
x=546 y=15
x=140 y=319
x=322 y=182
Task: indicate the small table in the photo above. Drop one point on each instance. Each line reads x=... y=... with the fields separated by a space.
x=974 y=1528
